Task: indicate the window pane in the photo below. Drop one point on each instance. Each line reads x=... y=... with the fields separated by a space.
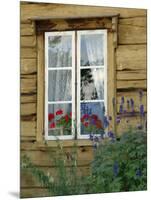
x=92 y=115
x=59 y=85
x=59 y=54
x=92 y=51
x=59 y=119
x=92 y=84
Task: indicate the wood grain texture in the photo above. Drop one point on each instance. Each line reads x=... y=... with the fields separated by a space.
x=28 y=52
x=28 y=128
x=73 y=24
x=134 y=21
x=28 y=98
x=111 y=81
x=131 y=84
x=62 y=10
x=44 y=157
x=28 y=66
x=132 y=75
x=131 y=57
x=128 y=34
x=28 y=84
x=43 y=145
x=27 y=29
x=28 y=108
x=40 y=87
x=28 y=41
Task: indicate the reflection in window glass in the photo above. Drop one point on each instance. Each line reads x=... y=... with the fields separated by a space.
x=59 y=85
x=92 y=84
x=59 y=52
x=92 y=115
x=92 y=52
x=59 y=119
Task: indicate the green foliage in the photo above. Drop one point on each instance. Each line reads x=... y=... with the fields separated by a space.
x=120 y=165
x=66 y=182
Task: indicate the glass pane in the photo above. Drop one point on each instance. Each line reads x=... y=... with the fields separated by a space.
x=92 y=51
x=59 y=119
x=92 y=115
x=92 y=84
x=59 y=85
x=59 y=54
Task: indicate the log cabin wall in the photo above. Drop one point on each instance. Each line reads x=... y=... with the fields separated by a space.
x=130 y=57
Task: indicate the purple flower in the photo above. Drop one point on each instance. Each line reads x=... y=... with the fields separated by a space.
x=121 y=109
x=124 y=111
x=132 y=102
x=106 y=122
x=122 y=100
x=142 y=110
x=138 y=173
x=115 y=168
x=110 y=134
x=139 y=126
x=91 y=137
x=118 y=119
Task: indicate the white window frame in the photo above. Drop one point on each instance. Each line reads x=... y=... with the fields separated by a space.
x=79 y=67
x=74 y=82
x=72 y=68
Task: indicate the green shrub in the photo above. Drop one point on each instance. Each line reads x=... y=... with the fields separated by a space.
x=120 y=165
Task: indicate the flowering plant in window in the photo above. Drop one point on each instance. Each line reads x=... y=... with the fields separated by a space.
x=60 y=120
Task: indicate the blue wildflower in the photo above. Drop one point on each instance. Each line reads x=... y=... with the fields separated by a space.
x=118 y=119
x=122 y=100
x=121 y=109
x=124 y=111
x=132 y=102
x=106 y=122
x=115 y=168
x=91 y=137
x=142 y=110
x=139 y=126
x=138 y=173
x=111 y=134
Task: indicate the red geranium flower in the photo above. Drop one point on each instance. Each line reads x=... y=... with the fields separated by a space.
x=52 y=125
x=95 y=117
x=66 y=118
x=59 y=112
x=86 y=116
x=70 y=114
x=50 y=116
x=86 y=124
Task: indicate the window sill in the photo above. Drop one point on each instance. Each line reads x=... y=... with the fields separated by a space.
x=65 y=143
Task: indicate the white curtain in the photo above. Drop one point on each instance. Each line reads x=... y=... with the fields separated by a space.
x=60 y=80
x=94 y=53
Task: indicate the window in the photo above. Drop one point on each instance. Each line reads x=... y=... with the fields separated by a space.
x=75 y=83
